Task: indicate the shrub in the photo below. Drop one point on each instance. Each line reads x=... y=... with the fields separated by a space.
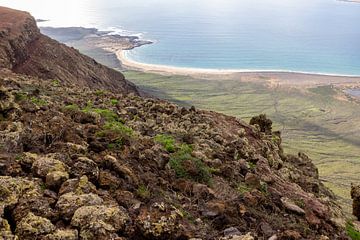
x=118 y=127
x=187 y=166
x=351 y=231
x=167 y=141
x=143 y=192
x=264 y=123
x=243 y=188
x=38 y=101
x=55 y=83
x=20 y=96
x=99 y=92
x=72 y=107
x=114 y=101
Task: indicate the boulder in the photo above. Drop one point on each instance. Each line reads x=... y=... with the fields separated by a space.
x=70 y=202
x=291 y=206
x=33 y=226
x=85 y=166
x=44 y=165
x=79 y=186
x=56 y=178
x=99 y=222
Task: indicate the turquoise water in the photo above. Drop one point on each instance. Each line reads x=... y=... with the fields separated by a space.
x=321 y=36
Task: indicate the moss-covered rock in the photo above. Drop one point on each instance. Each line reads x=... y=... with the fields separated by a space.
x=44 y=165
x=33 y=227
x=99 y=222
x=68 y=203
x=63 y=234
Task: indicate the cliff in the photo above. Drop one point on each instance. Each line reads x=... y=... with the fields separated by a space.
x=77 y=162
x=25 y=50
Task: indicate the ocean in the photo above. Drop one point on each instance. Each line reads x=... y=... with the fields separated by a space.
x=317 y=36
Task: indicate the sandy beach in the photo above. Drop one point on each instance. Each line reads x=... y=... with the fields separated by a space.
x=275 y=77
x=119 y=45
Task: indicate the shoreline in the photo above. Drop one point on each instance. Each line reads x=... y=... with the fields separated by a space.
x=158 y=68
x=118 y=44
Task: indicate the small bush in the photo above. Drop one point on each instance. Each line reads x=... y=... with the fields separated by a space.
x=187 y=166
x=72 y=107
x=264 y=123
x=20 y=96
x=114 y=101
x=116 y=144
x=55 y=83
x=99 y=92
x=118 y=127
x=143 y=192
x=351 y=232
x=167 y=141
x=38 y=101
x=243 y=188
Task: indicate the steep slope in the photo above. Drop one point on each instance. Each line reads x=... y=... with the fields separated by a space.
x=93 y=165
x=79 y=163
x=25 y=50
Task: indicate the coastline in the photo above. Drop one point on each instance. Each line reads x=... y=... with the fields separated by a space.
x=117 y=45
x=157 y=68
x=273 y=78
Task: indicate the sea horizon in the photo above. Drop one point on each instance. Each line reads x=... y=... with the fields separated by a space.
x=232 y=46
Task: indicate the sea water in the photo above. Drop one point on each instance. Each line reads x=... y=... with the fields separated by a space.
x=318 y=36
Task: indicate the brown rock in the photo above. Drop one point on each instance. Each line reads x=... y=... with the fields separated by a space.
x=355 y=195
x=291 y=206
x=252 y=180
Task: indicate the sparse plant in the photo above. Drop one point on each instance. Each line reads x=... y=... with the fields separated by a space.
x=243 y=188
x=99 y=92
x=114 y=101
x=38 y=101
x=264 y=188
x=72 y=107
x=143 y=192
x=187 y=166
x=352 y=232
x=20 y=96
x=55 y=82
x=167 y=141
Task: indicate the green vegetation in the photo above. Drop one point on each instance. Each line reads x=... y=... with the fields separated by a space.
x=38 y=101
x=113 y=127
x=55 y=83
x=167 y=141
x=118 y=127
x=143 y=192
x=351 y=231
x=114 y=102
x=187 y=166
x=314 y=121
x=264 y=188
x=20 y=96
x=72 y=107
x=243 y=188
x=99 y=92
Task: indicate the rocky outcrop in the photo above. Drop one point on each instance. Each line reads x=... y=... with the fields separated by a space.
x=90 y=167
x=355 y=195
x=25 y=50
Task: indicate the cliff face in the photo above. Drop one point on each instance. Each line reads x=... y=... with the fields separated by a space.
x=79 y=163
x=24 y=49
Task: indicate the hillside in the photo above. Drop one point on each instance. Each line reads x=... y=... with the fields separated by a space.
x=25 y=50
x=81 y=159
